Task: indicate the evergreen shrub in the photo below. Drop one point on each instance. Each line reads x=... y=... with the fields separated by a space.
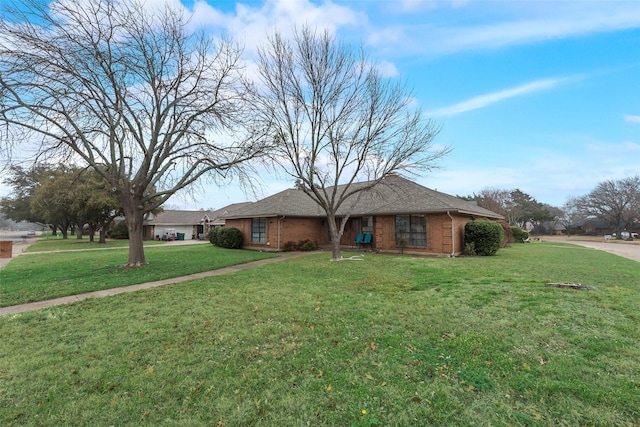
x=482 y=237
x=519 y=234
x=119 y=231
x=213 y=235
x=226 y=237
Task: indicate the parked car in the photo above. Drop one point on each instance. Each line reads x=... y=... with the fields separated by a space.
x=626 y=235
x=31 y=233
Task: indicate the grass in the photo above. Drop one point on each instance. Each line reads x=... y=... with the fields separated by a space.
x=72 y=243
x=38 y=277
x=411 y=341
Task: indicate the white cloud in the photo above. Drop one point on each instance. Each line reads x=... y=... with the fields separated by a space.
x=251 y=24
x=621 y=148
x=492 y=98
x=491 y=25
x=632 y=119
x=388 y=69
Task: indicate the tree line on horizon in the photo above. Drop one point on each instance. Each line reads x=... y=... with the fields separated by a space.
x=66 y=197
x=616 y=203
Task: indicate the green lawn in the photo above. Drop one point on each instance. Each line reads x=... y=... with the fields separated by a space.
x=38 y=277
x=52 y=243
x=411 y=341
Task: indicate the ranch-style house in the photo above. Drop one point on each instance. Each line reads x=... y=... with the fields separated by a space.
x=395 y=215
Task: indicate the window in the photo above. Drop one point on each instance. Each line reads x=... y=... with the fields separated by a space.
x=367 y=224
x=259 y=230
x=411 y=230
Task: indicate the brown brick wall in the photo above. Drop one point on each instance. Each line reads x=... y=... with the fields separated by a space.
x=439 y=233
x=291 y=229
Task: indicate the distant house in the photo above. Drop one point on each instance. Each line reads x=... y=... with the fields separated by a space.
x=399 y=214
x=191 y=224
x=596 y=227
x=593 y=227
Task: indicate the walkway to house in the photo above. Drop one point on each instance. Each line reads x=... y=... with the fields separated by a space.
x=108 y=292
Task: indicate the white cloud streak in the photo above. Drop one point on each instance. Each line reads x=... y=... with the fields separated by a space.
x=505 y=24
x=492 y=98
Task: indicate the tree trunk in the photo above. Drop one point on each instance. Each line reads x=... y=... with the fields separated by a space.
x=335 y=238
x=134 y=215
x=78 y=232
x=103 y=235
x=92 y=231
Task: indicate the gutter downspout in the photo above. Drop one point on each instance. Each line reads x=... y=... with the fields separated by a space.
x=453 y=237
x=283 y=216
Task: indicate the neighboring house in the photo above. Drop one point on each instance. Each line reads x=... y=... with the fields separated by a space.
x=595 y=227
x=398 y=213
x=191 y=224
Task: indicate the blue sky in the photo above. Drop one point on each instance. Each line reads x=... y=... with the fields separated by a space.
x=543 y=96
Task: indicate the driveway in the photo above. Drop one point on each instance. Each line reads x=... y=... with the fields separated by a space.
x=624 y=249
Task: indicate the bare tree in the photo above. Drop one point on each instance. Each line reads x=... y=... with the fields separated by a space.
x=570 y=214
x=335 y=121
x=616 y=202
x=496 y=200
x=133 y=93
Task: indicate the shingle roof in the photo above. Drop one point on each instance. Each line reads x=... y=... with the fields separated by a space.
x=178 y=217
x=217 y=217
x=392 y=196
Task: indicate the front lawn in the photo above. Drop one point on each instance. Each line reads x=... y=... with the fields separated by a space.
x=38 y=277
x=388 y=341
x=53 y=243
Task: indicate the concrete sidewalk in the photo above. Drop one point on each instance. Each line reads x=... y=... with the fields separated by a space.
x=630 y=250
x=15 y=309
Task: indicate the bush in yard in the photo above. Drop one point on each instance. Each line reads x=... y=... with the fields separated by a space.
x=229 y=238
x=302 y=245
x=483 y=237
x=289 y=246
x=213 y=235
x=519 y=234
x=119 y=231
x=307 y=245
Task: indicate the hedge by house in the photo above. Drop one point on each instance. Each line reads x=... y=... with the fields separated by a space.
x=213 y=235
x=482 y=237
x=226 y=237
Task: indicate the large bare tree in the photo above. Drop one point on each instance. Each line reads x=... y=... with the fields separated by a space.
x=616 y=202
x=336 y=122
x=126 y=89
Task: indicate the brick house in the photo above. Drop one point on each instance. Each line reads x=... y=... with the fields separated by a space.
x=395 y=211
